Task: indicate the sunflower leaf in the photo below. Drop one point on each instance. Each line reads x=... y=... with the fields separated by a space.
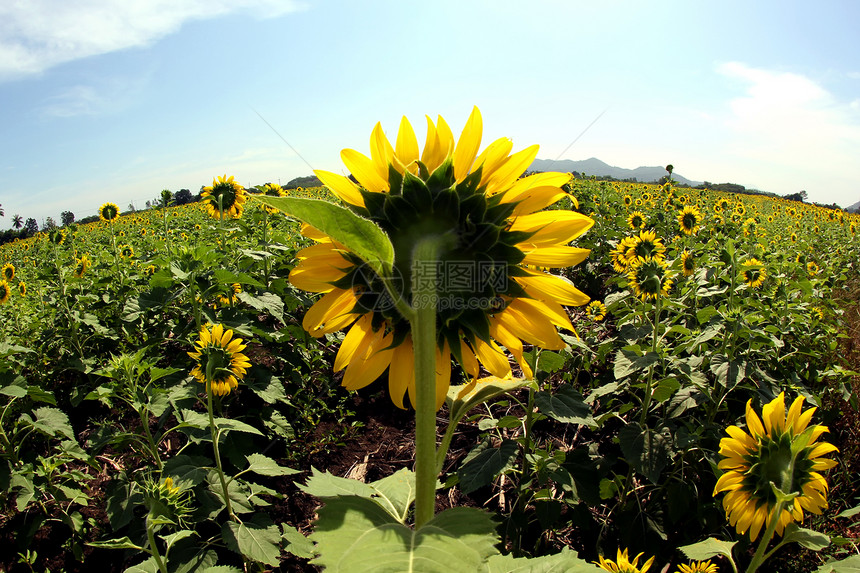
x=711 y=547
x=564 y=562
x=361 y=236
x=848 y=565
x=806 y=537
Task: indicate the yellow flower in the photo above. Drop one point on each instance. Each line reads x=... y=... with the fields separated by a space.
x=220 y=362
x=636 y=220
x=230 y=298
x=812 y=268
x=231 y=195
x=753 y=273
x=779 y=448
x=623 y=564
x=488 y=292
x=595 y=310
x=109 y=212
x=688 y=263
x=699 y=567
x=22 y=288
x=690 y=219
x=273 y=190
x=126 y=251
x=81 y=266
x=5 y=292
x=646 y=245
x=649 y=278
x=7 y=272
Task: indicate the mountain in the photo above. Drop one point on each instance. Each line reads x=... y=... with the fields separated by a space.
x=855 y=208
x=594 y=166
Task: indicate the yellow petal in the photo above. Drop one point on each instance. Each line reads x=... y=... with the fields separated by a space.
x=469 y=360
x=512 y=343
x=535 y=329
x=544 y=286
x=753 y=422
x=506 y=174
x=431 y=156
x=552 y=227
x=407 y=145
x=492 y=158
x=467 y=146
x=341 y=186
x=355 y=341
x=443 y=374
x=364 y=370
x=381 y=151
x=773 y=414
x=332 y=306
x=551 y=257
x=364 y=170
x=492 y=358
x=401 y=374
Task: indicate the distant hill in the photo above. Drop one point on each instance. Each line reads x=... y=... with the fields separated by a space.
x=594 y=166
x=855 y=208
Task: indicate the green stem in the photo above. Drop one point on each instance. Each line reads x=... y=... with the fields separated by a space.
x=153 y=548
x=423 y=325
x=216 y=435
x=153 y=448
x=760 y=556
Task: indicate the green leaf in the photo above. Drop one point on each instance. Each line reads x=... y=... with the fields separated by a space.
x=52 y=421
x=236 y=426
x=550 y=361
x=848 y=565
x=565 y=562
x=645 y=449
x=728 y=372
x=850 y=512
x=359 y=235
x=14 y=391
x=240 y=494
x=324 y=485
x=221 y=569
x=484 y=463
x=628 y=362
x=297 y=544
x=260 y=464
x=355 y=535
x=482 y=392
x=565 y=405
x=148 y=566
x=806 y=537
x=119 y=543
x=173 y=538
x=704 y=550
x=396 y=493
x=257 y=542
x=226 y=277
x=267 y=301
x=665 y=389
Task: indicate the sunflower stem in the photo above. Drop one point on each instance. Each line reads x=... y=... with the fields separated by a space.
x=760 y=556
x=153 y=548
x=423 y=326
x=216 y=436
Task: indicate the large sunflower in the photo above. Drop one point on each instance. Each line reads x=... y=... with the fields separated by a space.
x=219 y=358
x=778 y=450
x=5 y=292
x=7 y=272
x=753 y=273
x=649 y=278
x=486 y=297
x=109 y=212
x=623 y=564
x=646 y=245
x=690 y=219
x=231 y=196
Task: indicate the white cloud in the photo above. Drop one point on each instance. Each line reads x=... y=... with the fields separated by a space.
x=38 y=34
x=794 y=133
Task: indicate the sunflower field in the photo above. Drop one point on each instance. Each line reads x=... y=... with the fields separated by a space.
x=443 y=363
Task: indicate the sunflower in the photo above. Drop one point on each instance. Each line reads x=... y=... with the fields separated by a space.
x=699 y=567
x=753 y=272
x=636 y=220
x=779 y=451
x=7 y=272
x=812 y=268
x=22 y=288
x=489 y=291
x=750 y=227
x=220 y=362
x=690 y=219
x=126 y=251
x=620 y=255
x=646 y=245
x=595 y=310
x=623 y=564
x=628 y=200
x=81 y=266
x=109 y=212
x=272 y=190
x=230 y=297
x=229 y=193
x=688 y=263
x=649 y=278
x=5 y=292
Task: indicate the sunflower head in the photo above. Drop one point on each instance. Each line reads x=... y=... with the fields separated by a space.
x=777 y=451
x=649 y=278
x=225 y=195
x=596 y=310
x=812 y=268
x=688 y=263
x=230 y=297
x=109 y=212
x=220 y=363
x=7 y=272
x=690 y=219
x=647 y=245
x=698 y=567
x=5 y=292
x=623 y=564
x=22 y=288
x=488 y=291
x=753 y=273
x=167 y=500
x=636 y=220
x=272 y=190
x=126 y=251
x=81 y=266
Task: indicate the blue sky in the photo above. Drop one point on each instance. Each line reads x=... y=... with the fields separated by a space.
x=114 y=100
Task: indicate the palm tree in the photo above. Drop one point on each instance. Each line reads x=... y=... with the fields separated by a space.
x=17 y=221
